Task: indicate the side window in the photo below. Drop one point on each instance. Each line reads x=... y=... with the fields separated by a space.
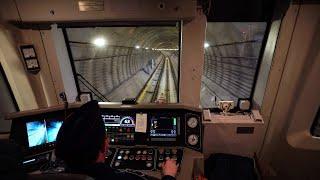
x=232 y=52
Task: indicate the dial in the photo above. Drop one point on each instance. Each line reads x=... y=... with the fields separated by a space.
x=192 y=122
x=127 y=121
x=193 y=139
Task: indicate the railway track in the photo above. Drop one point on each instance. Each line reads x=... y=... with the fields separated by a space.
x=161 y=86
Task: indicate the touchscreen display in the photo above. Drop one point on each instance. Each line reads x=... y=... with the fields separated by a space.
x=118 y=121
x=41 y=132
x=163 y=126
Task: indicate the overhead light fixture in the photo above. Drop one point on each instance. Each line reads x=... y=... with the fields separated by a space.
x=99 y=42
x=206 y=45
x=146 y=48
x=137 y=47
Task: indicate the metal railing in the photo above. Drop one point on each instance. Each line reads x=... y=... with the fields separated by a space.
x=91 y=88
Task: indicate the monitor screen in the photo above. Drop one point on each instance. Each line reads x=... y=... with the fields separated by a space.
x=164 y=126
x=37 y=133
x=118 y=121
x=42 y=132
x=53 y=127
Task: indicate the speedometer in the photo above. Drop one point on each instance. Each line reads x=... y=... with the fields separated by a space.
x=193 y=139
x=192 y=122
x=127 y=121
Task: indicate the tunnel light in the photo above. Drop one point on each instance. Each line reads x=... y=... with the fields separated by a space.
x=100 y=42
x=206 y=45
x=137 y=47
x=146 y=48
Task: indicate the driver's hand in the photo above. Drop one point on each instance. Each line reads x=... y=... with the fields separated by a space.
x=169 y=167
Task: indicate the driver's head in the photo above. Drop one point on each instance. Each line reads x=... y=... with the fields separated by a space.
x=81 y=138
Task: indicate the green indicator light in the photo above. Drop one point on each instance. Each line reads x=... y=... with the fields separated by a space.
x=174 y=121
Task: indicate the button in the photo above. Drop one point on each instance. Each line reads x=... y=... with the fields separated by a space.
x=174 y=151
x=138 y=152
x=144 y=152
x=167 y=158
x=143 y=157
x=149 y=158
x=161 y=150
x=127 y=151
x=125 y=157
x=150 y=151
x=121 y=151
x=161 y=157
x=167 y=151
x=117 y=163
x=119 y=157
x=149 y=164
x=174 y=157
x=137 y=158
x=160 y=165
x=131 y=157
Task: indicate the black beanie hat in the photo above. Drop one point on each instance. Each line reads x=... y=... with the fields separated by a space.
x=81 y=136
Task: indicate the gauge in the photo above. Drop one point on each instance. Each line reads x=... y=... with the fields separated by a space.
x=192 y=122
x=127 y=121
x=193 y=139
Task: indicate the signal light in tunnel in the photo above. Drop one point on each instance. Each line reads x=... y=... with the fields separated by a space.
x=137 y=47
x=206 y=45
x=99 y=42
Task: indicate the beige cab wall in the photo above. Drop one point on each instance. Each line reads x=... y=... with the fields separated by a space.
x=68 y=10
x=292 y=96
x=192 y=60
x=14 y=69
x=42 y=83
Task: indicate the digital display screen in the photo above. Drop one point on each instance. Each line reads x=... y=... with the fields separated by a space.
x=118 y=121
x=42 y=132
x=163 y=126
x=53 y=129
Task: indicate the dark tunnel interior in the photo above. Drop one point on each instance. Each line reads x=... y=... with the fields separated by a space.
x=113 y=63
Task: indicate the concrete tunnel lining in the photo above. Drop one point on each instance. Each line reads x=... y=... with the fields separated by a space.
x=109 y=69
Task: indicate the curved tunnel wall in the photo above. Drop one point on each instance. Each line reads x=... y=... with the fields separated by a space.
x=128 y=61
x=231 y=59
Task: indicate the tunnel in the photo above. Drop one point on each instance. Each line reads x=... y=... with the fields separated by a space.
x=143 y=62
x=131 y=62
x=231 y=59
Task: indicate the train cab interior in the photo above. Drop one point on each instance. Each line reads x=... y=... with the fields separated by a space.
x=225 y=89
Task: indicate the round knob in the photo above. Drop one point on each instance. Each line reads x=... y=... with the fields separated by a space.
x=148 y=164
x=117 y=164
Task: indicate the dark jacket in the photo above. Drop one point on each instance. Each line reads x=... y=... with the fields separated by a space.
x=101 y=171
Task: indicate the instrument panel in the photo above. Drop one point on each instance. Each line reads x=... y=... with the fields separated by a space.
x=140 y=138
x=165 y=127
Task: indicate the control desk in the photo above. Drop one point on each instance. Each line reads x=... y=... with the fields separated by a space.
x=140 y=137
